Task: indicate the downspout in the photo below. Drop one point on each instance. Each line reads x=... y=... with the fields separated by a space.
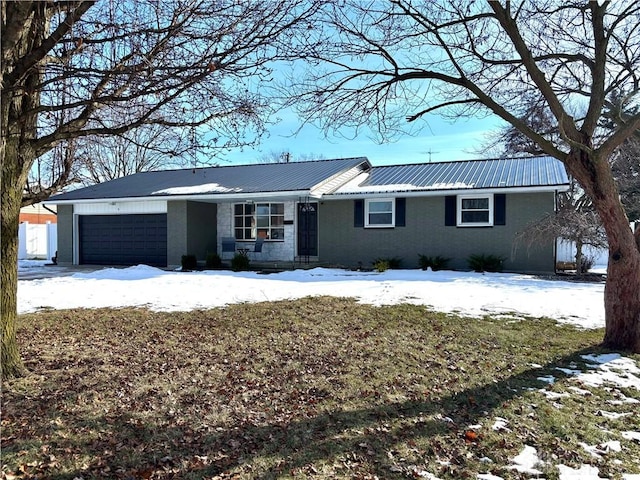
x=49 y=210
x=555 y=243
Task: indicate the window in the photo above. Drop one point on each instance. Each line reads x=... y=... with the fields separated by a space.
x=259 y=220
x=379 y=213
x=476 y=211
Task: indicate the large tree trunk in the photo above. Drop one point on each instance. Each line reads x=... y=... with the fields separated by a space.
x=18 y=123
x=10 y=361
x=622 y=290
x=17 y=156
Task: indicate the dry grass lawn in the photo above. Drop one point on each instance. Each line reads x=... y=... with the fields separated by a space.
x=312 y=388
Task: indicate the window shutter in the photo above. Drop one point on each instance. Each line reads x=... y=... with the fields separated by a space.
x=358 y=213
x=401 y=207
x=450 y=211
x=499 y=209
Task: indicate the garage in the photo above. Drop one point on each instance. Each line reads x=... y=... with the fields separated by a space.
x=123 y=239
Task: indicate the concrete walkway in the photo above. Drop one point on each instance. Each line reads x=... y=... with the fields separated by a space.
x=49 y=270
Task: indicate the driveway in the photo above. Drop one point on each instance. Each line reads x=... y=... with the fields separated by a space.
x=37 y=269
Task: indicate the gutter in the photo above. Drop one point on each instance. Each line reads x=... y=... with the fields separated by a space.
x=441 y=192
x=293 y=195
x=214 y=198
x=49 y=210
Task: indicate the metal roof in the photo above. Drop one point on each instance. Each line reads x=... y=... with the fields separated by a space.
x=332 y=178
x=239 y=179
x=459 y=175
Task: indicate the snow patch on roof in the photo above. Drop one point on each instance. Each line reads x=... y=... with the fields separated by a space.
x=205 y=188
x=359 y=185
x=392 y=187
x=450 y=186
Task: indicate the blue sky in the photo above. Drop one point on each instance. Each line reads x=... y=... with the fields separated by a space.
x=439 y=140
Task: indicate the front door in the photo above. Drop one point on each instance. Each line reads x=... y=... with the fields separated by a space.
x=308 y=229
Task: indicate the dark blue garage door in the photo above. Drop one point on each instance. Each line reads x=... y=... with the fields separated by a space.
x=123 y=239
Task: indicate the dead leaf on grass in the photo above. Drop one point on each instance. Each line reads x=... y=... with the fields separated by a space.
x=470 y=436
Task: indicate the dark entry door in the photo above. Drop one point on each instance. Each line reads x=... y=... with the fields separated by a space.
x=123 y=239
x=308 y=229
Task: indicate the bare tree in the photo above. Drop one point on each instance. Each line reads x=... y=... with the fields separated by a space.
x=575 y=220
x=97 y=159
x=73 y=69
x=382 y=64
x=625 y=161
x=149 y=147
x=508 y=141
x=626 y=169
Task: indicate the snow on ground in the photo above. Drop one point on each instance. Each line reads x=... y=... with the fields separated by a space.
x=526 y=461
x=465 y=293
x=606 y=371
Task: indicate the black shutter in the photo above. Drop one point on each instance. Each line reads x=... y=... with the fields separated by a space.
x=358 y=213
x=499 y=209
x=450 y=211
x=401 y=208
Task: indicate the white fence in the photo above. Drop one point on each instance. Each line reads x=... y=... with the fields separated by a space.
x=37 y=241
x=566 y=252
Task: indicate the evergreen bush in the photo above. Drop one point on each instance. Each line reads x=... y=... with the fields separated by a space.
x=213 y=260
x=382 y=264
x=240 y=262
x=485 y=263
x=189 y=262
x=436 y=262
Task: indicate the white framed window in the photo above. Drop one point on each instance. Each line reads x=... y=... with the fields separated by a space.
x=259 y=220
x=379 y=213
x=475 y=210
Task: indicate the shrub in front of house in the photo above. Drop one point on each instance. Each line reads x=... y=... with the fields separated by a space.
x=383 y=264
x=189 y=262
x=588 y=262
x=240 y=262
x=213 y=260
x=485 y=263
x=437 y=262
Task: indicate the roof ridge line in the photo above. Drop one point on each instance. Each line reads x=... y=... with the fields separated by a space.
x=363 y=158
x=465 y=161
